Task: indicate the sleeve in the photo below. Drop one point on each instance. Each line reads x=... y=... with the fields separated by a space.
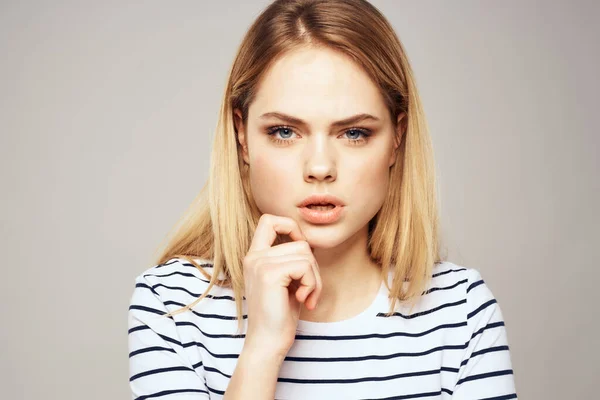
x=158 y=366
x=486 y=368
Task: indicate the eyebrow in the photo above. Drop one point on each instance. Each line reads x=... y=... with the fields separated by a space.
x=346 y=121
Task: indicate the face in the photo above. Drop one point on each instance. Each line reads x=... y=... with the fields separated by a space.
x=292 y=159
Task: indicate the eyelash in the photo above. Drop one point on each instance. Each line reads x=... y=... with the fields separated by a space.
x=355 y=142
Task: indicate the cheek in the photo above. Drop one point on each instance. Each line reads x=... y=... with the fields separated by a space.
x=371 y=180
x=270 y=178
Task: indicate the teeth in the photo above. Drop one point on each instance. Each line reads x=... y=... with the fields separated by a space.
x=321 y=207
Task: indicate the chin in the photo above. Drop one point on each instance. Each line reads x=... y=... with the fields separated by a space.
x=323 y=241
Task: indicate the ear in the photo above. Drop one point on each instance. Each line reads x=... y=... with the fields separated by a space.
x=241 y=134
x=399 y=132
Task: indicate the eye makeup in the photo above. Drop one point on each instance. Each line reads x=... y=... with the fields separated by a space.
x=272 y=131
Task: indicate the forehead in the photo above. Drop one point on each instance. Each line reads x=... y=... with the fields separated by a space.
x=317 y=83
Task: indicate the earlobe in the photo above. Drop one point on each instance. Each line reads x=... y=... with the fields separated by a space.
x=392 y=158
x=394 y=151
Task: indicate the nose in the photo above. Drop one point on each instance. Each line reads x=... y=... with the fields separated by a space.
x=320 y=161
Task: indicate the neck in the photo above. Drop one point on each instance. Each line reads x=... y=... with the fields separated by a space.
x=350 y=279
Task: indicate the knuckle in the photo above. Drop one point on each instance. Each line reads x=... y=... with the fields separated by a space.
x=263 y=219
x=308 y=264
x=248 y=261
x=304 y=245
x=251 y=262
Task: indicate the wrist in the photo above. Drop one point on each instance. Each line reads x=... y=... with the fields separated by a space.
x=263 y=352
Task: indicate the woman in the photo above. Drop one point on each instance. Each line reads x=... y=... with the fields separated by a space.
x=321 y=192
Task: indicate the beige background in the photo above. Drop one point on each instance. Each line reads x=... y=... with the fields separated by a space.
x=106 y=115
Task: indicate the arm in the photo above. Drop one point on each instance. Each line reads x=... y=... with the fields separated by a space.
x=255 y=375
x=486 y=369
x=158 y=366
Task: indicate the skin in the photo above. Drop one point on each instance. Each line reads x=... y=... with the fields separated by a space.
x=321 y=86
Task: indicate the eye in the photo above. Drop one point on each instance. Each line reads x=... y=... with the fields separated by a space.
x=366 y=133
x=286 y=132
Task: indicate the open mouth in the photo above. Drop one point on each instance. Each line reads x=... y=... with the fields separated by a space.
x=321 y=213
x=321 y=207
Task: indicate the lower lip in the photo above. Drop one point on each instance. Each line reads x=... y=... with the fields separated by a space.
x=321 y=216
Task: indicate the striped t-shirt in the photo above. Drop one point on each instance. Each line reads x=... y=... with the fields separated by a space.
x=452 y=346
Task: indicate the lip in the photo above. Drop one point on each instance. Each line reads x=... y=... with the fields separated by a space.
x=321 y=198
x=321 y=216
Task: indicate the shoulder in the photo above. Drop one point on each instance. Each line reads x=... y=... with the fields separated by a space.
x=174 y=282
x=177 y=267
x=463 y=277
x=464 y=286
x=177 y=270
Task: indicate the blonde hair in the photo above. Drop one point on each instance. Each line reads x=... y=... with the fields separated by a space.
x=220 y=223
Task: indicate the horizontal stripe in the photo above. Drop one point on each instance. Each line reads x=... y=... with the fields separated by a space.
x=377 y=357
x=179 y=262
x=409 y=396
x=453 y=341
x=188 y=274
x=484 y=376
x=368 y=379
x=317 y=337
x=481 y=308
x=149 y=349
x=474 y=284
x=488 y=326
x=422 y=313
x=380 y=335
x=484 y=351
x=505 y=397
x=170 y=392
x=446 y=287
x=147 y=309
x=447 y=272
x=159 y=371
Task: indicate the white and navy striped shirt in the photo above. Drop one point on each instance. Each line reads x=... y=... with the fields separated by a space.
x=453 y=346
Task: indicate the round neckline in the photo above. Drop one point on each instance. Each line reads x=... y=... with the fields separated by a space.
x=345 y=325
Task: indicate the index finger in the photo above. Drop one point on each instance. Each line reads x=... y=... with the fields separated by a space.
x=269 y=226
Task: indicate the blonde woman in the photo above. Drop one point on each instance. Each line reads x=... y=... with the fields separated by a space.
x=308 y=267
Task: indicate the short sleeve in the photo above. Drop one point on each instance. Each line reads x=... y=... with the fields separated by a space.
x=486 y=367
x=158 y=366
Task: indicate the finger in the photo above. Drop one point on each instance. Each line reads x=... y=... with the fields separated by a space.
x=315 y=295
x=269 y=226
x=300 y=247
x=302 y=294
x=293 y=249
x=296 y=247
x=302 y=271
x=284 y=259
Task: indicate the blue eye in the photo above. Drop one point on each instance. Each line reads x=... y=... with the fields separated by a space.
x=281 y=129
x=286 y=132
x=356 y=131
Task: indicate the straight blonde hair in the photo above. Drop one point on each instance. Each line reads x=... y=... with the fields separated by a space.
x=403 y=235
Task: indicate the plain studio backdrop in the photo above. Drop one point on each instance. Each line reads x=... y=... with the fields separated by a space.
x=107 y=111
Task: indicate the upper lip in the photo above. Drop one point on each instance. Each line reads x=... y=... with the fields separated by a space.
x=321 y=199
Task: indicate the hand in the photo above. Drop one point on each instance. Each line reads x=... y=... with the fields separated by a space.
x=278 y=280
